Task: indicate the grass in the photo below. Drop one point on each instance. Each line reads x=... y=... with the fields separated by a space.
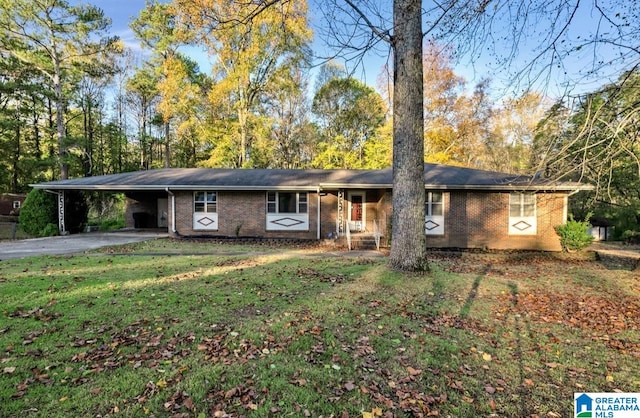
x=192 y=329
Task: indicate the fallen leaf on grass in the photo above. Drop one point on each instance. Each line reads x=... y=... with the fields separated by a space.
x=9 y=370
x=413 y=372
x=492 y=404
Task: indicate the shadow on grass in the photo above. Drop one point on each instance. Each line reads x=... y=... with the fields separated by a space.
x=465 y=310
x=518 y=350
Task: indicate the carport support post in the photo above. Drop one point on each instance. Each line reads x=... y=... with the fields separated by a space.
x=61 y=226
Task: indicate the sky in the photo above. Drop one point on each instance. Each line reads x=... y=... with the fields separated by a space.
x=123 y=11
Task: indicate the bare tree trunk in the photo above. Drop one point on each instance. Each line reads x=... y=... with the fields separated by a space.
x=408 y=245
x=167 y=147
x=36 y=128
x=15 y=169
x=60 y=129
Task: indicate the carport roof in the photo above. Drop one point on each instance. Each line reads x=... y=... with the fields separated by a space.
x=435 y=176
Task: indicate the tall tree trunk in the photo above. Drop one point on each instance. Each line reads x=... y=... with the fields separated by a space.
x=408 y=243
x=36 y=128
x=167 y=147
x=242 y=121
x=60 y=128
x=15 y=174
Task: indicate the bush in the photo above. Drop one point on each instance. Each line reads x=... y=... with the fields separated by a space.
x=112 y=224
x=574 y=235
x=631 y=237
x=50 y=230
x=106 y=210
x=38 y=211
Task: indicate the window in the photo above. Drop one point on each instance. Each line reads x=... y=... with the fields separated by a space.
x=205 y=202
x=434 y=204
x=16 y=204
x=434 y=213
x=522 y=205
x=522 y=214
x=287 y=211
x=287 y=202
x=205 y=211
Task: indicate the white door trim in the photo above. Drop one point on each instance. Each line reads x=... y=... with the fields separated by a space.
x=357 y=225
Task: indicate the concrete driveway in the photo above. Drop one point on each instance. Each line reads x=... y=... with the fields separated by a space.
x=70 y=244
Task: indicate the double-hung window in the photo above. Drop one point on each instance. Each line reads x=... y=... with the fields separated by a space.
x=286 y=202
x=434 y=211
x=287 y=211
x=205 y=210
x=522 y=214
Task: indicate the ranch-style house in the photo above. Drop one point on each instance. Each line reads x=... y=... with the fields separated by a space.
x=465 y=208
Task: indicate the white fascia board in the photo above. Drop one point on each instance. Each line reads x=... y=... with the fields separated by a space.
x=131 y=188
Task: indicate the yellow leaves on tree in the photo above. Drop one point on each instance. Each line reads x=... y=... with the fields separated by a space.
x=250 y=44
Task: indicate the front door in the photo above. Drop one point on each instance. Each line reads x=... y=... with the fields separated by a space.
x=357 y=211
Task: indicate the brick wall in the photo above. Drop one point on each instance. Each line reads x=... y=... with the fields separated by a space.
x=481 y=220
x=241 y=214
x=145 y=204
x=472 y=219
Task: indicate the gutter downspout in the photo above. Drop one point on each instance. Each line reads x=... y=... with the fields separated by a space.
x=173 y=210
x=565 y=209
x=318 y=220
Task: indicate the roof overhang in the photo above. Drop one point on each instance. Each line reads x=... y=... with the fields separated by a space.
x=324 y=186
x=436 y=177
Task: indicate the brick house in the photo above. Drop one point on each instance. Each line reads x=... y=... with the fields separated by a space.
x=465 y=208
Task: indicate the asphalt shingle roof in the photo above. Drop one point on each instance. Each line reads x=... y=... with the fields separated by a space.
x=435 y=176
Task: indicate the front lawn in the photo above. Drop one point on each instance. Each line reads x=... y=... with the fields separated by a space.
x=193 y=329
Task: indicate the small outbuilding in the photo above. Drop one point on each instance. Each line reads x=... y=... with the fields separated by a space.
x=10 y=204
x=465 y=208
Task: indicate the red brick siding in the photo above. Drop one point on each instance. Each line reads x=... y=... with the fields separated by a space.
x=328 y=213
x=242 y=214
x=481 y=220
x=142 y=202
x=472 y=219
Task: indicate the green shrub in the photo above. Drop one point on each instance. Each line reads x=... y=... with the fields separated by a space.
x=631 y=237
x=38 y=211
x=574 y=235
x=50 y=230
x=112 y=224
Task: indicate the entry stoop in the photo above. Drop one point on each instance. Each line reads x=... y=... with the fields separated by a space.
x=363 y=241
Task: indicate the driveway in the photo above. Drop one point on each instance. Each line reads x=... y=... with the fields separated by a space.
x=70 y=244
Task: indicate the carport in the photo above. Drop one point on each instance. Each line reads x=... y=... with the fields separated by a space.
x=146 y=208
